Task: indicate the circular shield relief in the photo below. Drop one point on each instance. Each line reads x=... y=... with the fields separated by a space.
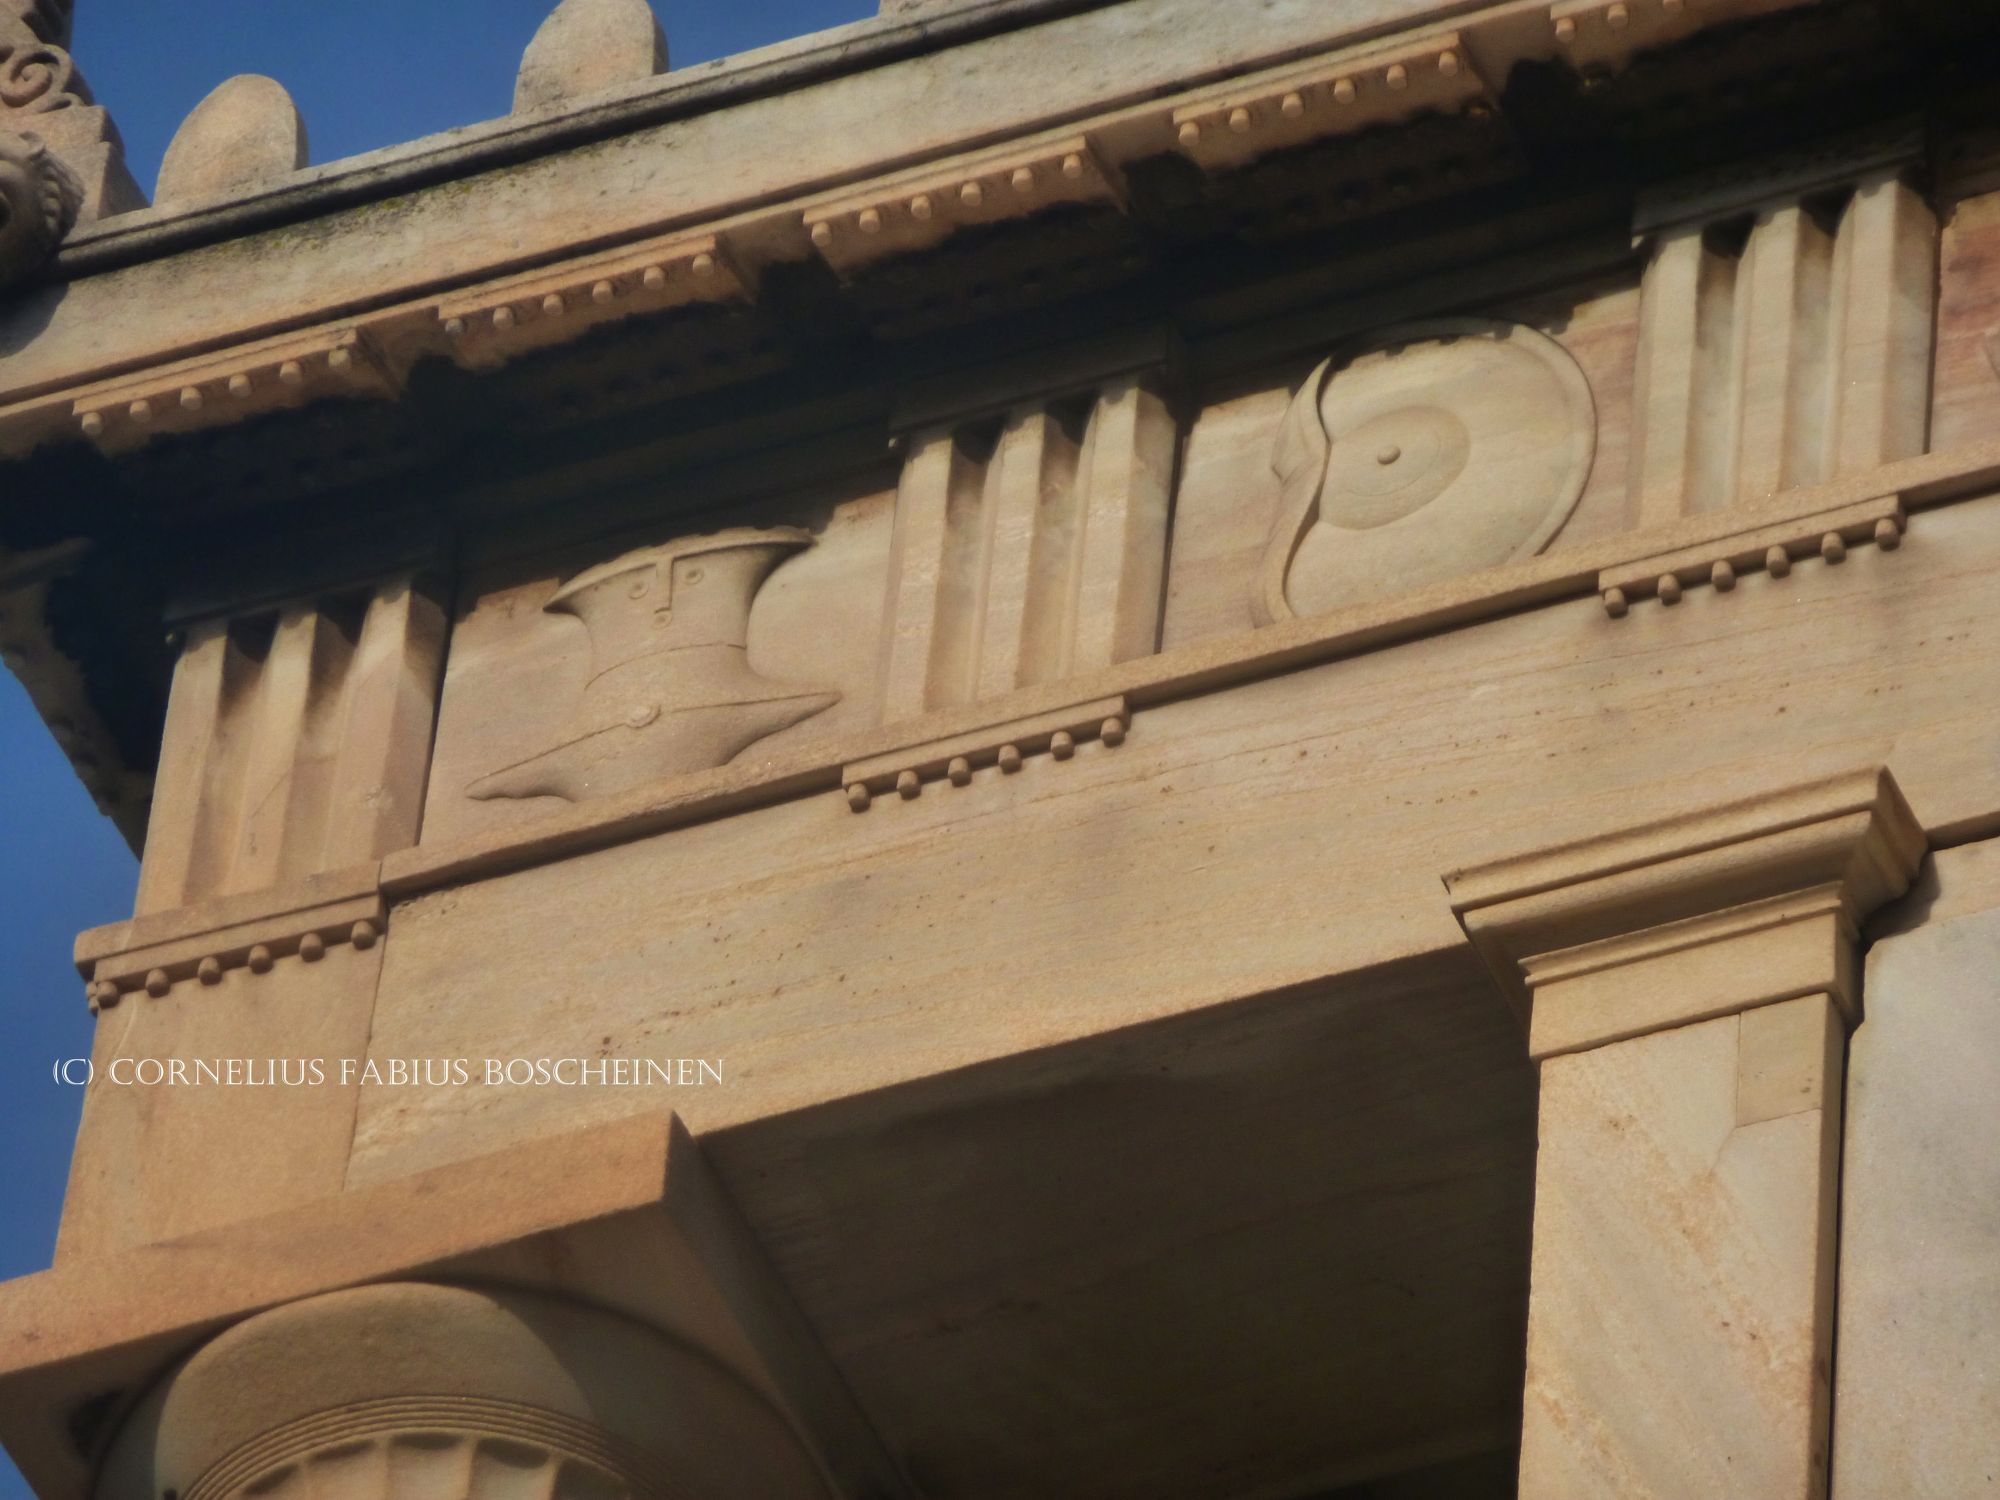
x=1433 y=450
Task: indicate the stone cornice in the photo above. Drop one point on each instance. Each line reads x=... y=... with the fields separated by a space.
x=1380 y=66
x=1714 y=912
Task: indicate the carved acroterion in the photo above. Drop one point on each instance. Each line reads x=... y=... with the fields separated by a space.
x=36 y=73
x=671 y=688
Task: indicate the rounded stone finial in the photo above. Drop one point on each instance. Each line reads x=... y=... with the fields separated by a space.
x=39 y=197
x=245 y=136
x=587 y=46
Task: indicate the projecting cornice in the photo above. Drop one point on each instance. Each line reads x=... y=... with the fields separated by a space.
x=419 y=252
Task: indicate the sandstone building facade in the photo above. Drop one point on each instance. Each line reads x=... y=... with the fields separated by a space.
x=1203 y=751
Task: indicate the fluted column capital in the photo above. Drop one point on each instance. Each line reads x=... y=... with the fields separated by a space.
x=412 y=1388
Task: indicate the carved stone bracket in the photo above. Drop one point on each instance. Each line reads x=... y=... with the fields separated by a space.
x=1772 y=546
x=42 y=94
x=957 y=758
x=37 y=78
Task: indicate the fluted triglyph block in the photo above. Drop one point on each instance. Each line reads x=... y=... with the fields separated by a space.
x=1029 y=555
x=1785 y=348
x=296 y=742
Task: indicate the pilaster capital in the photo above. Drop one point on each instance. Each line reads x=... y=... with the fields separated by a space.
x=1706 y=914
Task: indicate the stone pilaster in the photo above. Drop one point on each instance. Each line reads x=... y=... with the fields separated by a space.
x=1688 y=988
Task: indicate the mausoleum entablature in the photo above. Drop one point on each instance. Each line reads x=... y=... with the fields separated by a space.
x=969 y=575
x=645 y=277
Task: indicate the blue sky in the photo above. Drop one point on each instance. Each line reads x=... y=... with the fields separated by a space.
x=365 y=73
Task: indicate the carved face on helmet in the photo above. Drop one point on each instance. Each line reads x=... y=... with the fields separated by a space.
x=38 y=201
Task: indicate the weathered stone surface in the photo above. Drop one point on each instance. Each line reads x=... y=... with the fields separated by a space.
x=39 y=198
x=144 y=1166
x=1682 y=1245
x=1917 y=1403
x=587 y=46
x=1450 y=446
x=1118 y=1098
x=245 y=136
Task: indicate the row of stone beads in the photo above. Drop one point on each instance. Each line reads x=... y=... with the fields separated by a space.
x=104 y=994
x=909 y=785
x=1777 y=562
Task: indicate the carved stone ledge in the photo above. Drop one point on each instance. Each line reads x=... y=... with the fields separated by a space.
x=272 y=375
x=1773 y=547
x=1718 y=912
x=920 y=210
x=152 y=954
x=1228 y=129
x=1609 y=33
x=1002 y=746
x=496 y=322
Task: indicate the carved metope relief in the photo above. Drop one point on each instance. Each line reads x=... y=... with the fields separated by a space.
x=1784 y=347
x=1440 y=448
x=1030 y=555
x=297 y=741
x=670 y=686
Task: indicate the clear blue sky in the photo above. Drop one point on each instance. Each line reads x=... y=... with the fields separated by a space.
x=365 y=73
